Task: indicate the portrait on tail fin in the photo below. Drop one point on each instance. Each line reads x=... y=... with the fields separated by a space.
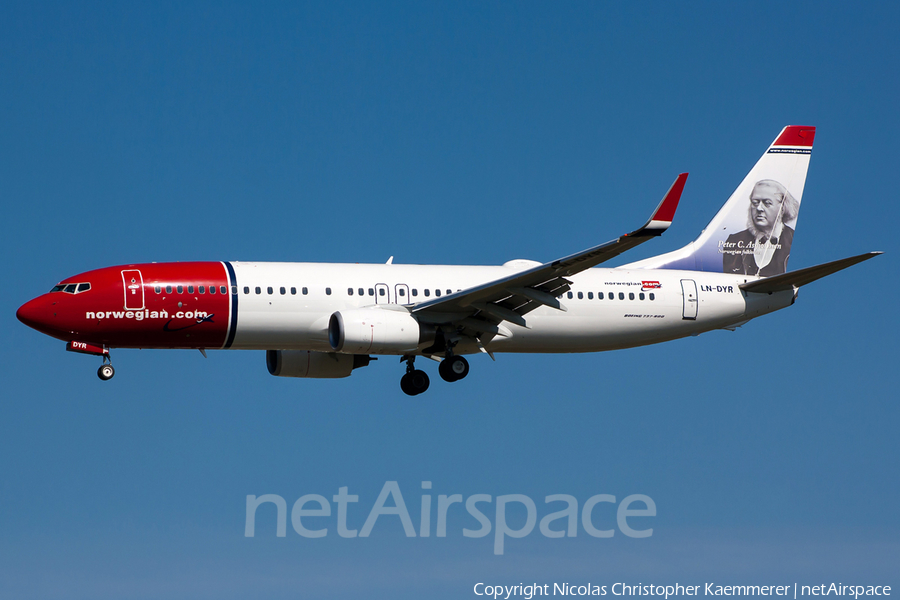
x=765 y=246
x=753 y=231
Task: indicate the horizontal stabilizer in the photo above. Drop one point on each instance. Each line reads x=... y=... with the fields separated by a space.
x=794 y=279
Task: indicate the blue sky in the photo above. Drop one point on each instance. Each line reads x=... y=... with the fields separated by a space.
x=466 y=133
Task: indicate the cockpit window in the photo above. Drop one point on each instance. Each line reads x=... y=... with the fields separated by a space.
x=71 y=288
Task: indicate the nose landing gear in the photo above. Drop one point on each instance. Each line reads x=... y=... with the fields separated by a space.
x=106 y=371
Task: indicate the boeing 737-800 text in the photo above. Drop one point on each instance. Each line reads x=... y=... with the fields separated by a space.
x=324 y=320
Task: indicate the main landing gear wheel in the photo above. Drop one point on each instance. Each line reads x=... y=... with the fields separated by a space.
x=415 y=382
x=106 y=372
x=453 y=368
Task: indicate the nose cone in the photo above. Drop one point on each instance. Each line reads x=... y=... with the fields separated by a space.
x=36 y=314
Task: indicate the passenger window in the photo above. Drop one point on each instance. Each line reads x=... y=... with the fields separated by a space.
x=437 y=292
x=282 y=290
x=328 y=291
x=580 y=296
x=293 y=291
x=83 y=287
x=641 y=296
x=371 y=292
x=570 y=295
x=258 y=290
x=590 y=295
x=599 y=295
x=631 y=295
x=349 y=291
x=621 y=296
x=415 y=292
x=180 y=289
x=381 y=291
x=305 y=291
x=402 y=292
x=168 y=289
x=269 y=290
x=449 y=292
x=427 y=292
x=224 y=290
x=158 y=290
x=652 y=296
x=190 y=289
x=361 y=292
x=202 y=289
x=212 y=289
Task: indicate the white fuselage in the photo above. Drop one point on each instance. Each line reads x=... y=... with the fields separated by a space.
x=683 y=303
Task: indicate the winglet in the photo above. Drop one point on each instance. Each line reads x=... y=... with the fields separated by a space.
x=665 y=212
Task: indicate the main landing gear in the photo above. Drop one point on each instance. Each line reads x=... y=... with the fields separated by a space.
x=415 y=381
x=453 y=368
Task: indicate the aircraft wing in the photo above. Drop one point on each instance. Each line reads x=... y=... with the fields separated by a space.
x=481 y=308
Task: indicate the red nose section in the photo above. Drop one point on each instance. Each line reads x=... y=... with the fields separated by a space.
x=34 y=313
x=41 y=314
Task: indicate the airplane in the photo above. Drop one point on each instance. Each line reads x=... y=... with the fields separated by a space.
x=324 y=320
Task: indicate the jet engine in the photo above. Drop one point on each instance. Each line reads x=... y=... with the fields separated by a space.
x=373 y=330
x=307 y=363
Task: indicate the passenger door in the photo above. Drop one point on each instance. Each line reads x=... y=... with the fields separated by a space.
x=134 y=289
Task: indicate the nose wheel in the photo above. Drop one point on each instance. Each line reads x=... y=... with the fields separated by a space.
x=106 y=372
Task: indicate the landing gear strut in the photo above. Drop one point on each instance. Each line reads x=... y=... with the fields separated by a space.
x=415 y=381
x=106 y=371
x=453 y=368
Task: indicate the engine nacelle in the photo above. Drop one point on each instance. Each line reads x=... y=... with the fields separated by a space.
x=373 y=331
x=307 y=363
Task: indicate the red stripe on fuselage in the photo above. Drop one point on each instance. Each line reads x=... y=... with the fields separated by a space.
x=168 y=319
